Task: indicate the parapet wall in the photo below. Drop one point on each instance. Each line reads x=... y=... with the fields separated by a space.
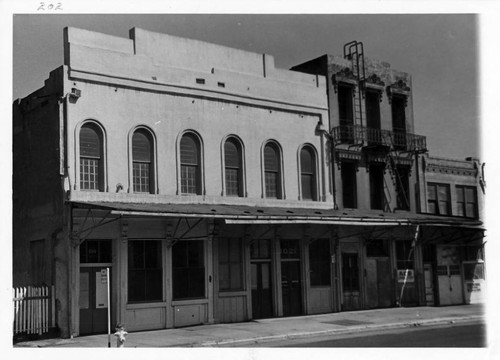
x=174 y=61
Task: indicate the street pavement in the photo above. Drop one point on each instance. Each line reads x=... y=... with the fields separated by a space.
x=265 y=330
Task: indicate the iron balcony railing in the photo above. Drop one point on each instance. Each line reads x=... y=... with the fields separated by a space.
x=364 y=136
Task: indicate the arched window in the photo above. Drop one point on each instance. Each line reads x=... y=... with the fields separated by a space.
x=233 y=167
x=308 y=173
x=143 y=161
x=190 y=165
x=91 y=158
x=272 y=171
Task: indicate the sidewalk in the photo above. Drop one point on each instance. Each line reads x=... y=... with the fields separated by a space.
x=260 y=331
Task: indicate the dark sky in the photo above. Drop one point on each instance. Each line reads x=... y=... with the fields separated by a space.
x=440 y=51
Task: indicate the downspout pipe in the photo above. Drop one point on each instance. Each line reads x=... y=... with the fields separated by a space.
x=329 y=136
x=334 y=187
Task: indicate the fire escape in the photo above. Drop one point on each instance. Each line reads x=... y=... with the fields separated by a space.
x=391 y=147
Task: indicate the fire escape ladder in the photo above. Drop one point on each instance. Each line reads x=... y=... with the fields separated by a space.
x=353 y=51
x=397 y=179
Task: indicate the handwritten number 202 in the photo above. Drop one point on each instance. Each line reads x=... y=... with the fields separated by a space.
x=50 y=6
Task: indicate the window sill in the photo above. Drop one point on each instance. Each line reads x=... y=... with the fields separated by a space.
x=145 y=305
x=189 y=302
x=231 y=293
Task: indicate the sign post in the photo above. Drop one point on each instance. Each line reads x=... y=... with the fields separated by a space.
x=109 y=315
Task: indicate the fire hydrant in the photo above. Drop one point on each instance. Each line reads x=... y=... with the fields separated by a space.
x=120 y=335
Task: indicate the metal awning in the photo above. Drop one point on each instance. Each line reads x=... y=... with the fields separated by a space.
x=246 y=214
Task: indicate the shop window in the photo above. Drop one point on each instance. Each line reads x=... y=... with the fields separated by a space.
x=377 y=248
x=442 y=270
x=272 y=171
x=290 y=249
x=145 y=283
x=467 y=201
x=188 y=267
x=377 y=187
x=260 y=249
x=319 y=262
x=474 y=253
x=95 y=251
x=348 y=173
x=403 y=187
x=429 y=253
x=308 y=173
x=143 y=161
x=404 y=254
x=230 y=264
x=438 y=199
x=455 y=270
x=473 y=271
x=91 y=158
x=233 y=167
x=190 y=165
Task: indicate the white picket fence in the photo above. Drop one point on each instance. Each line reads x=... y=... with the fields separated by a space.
x=34 y=309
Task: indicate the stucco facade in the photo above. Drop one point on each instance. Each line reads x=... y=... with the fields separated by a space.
x=218 y=188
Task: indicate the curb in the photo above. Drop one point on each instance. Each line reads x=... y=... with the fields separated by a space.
x=269 y=338
x=351 y=329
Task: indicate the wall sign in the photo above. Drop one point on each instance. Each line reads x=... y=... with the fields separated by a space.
x=101 y=290
x=409 y=274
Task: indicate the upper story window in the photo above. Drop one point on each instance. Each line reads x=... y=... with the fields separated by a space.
x=272 y=171
x=348 y=171
x=398 y=107
x=346 y=113
x=438 y=199
x=372 y=102
x=233 y=167
x=308 y=173
x=91 y=158
x=345 y=97
x=403 y=187
x=190 y=165
x=377 y=194
x=467 y=201
x=143 y=161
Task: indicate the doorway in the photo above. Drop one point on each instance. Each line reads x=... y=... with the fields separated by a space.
x=350 y=282
x=429 y=285
x=291 y=288
x=378 y=278
x=262 y=306
x=95 y=257
x=378 y=283
x=93 y=300
x=260 y=267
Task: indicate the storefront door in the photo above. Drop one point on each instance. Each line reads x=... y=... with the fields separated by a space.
x=291 y=288
x=378 y=282
x=350 y=281
x=262 y=306
x=429 y=285
x=93 y=300
x=95 y=257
